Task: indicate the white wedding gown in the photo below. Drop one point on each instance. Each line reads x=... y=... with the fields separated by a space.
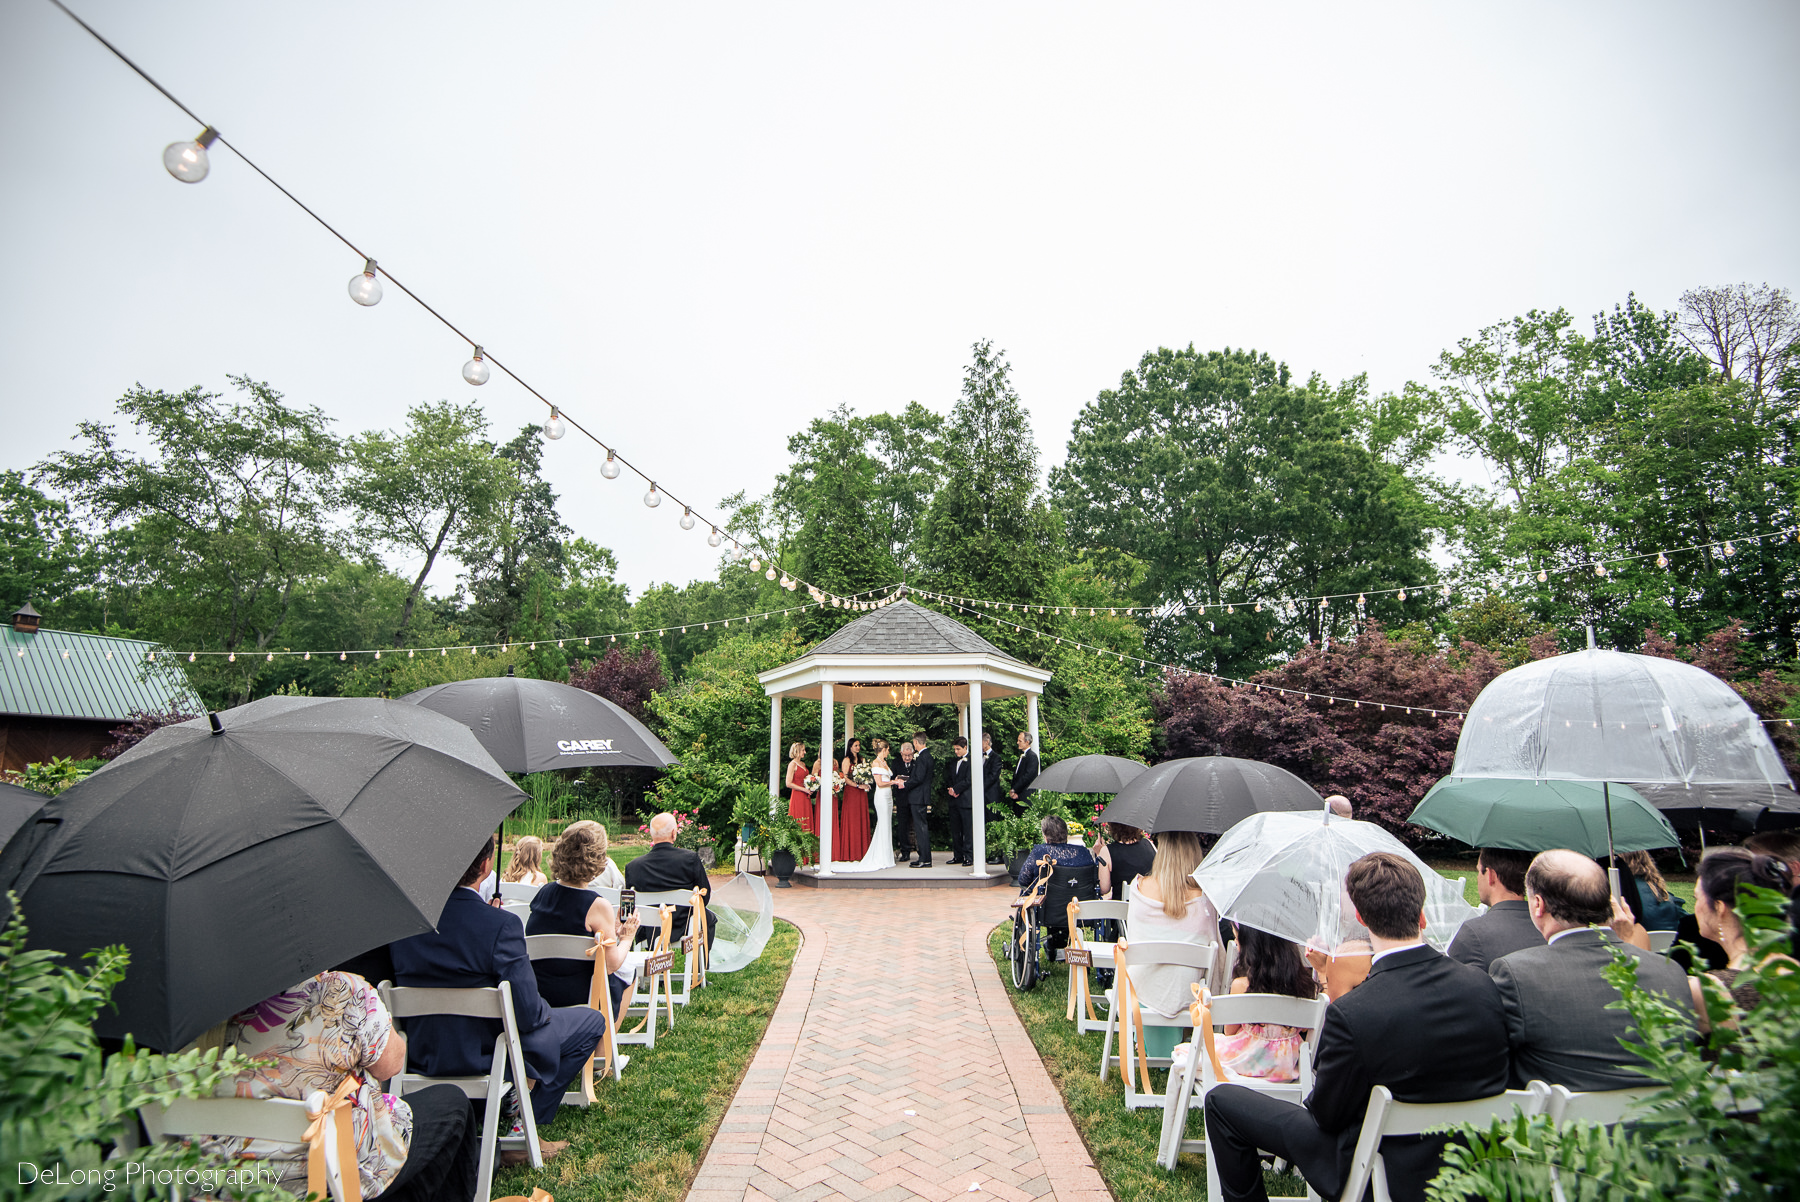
x=881 y=844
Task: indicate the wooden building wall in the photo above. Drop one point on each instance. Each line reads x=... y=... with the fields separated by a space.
x=31 y=740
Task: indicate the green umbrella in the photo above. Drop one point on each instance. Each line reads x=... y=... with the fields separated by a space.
x=1538 y=815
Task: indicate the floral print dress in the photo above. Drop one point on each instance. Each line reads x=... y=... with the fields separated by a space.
x=315 y=1035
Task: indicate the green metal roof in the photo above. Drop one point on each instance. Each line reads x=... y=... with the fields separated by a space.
x=61 y=674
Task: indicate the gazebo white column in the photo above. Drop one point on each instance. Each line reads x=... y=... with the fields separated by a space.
x=962 y=719
x=1031 y=725
x=775 y=757
x=977 y=801
x=827 y=769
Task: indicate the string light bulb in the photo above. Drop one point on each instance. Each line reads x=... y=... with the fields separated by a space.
x=1403 y=594
x=755 y=564
x=475 y=371
x=365 y=286
x=1542 y=575
x=1728 y=548
x=1662 y=559
x=187 y=161
x=687 y=518
x=610 y=469
x=555 y=428
x=714 y=539
x=652 y=498
x=769 y=575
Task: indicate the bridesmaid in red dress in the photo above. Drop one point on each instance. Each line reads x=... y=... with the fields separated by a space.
x=800 y=802
x=850 y=822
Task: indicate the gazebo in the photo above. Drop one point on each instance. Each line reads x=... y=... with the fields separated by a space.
x=901 y=654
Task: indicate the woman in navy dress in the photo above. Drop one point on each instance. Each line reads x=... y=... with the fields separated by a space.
x=567 y=907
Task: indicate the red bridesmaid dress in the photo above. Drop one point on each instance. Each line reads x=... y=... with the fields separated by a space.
x=800 y=802
x=850 y=824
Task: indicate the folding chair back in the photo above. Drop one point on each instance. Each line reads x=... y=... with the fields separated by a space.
x=519 y=910
x=1662 y=941
x=1608 y=1107
x=608 y=892
x=1189 y=1083
x=518 y=891
x=1099 y=955
x=279 y=1120
x=492 y=1002
x=588 y=950
x=1127 y=1018
x=1386 y=1117
x=656 y=978
x=693 y=901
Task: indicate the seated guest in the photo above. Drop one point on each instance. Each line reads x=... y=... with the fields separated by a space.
x=477 y=946
x=527 y=862
x=1558 y=1023
x=609 y=876
x=1722 y=873
x=666 y=867
x=1425 y=1026
x=1166 y=906
x=1783 y=845
x=1507 y=926
x=1340 y=805
x=1661 y=909
x=1127 y=857
x=312 y=1037
x=1267 y=964
x=1057 y=848
x=568 y=907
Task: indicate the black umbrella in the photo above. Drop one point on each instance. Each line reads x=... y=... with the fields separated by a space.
x=539 y=725
x=1210 y=794
x=17 y=807
x=237 y=854
x=1089 y=774
x=1739 y=809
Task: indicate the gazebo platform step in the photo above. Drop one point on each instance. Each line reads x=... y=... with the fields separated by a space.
x=939 y=876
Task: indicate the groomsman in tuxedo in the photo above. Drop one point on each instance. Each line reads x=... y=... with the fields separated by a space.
x=918 y=799
x=961 y=802
x=1024 y=772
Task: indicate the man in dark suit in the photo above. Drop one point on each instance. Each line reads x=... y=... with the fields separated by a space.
x=1556 y=1001
x=1024 y=772
x=962 y=798
x=1428 y=1028
x=918 y=799
x=477 y=946
x=990 y=788
x=1507 y=926
x=902 y=824
x=666 y=867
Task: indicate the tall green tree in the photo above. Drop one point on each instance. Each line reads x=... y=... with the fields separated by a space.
x=435 y=486
x=230 y=510
x=41 y=546
x=526 y=536
x=989 y=532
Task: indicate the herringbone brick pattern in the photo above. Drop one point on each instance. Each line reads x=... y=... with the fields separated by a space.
x=894 y=1068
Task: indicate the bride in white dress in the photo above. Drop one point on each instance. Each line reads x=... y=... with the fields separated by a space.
x=881 y=844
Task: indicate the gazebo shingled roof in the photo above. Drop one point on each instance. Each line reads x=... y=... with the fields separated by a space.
x=905 y=628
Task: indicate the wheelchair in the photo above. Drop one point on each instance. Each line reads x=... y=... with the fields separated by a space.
x=1040 y=926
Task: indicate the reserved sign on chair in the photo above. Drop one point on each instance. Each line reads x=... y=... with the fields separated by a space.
x=1079 y=957
x=660 y=962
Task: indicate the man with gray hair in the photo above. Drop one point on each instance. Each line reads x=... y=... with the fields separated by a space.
x=665 y=867
x=1558 y=1024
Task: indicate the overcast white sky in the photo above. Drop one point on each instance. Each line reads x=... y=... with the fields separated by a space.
x=699 y=226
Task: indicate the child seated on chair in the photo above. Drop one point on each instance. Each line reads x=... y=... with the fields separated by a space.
x=1268 y=1051
x=527 y=862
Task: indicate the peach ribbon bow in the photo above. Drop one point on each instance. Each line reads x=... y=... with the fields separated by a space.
x=348 y=1167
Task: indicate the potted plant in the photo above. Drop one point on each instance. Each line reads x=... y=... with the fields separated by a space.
x=781 y=840
x=1013 y=837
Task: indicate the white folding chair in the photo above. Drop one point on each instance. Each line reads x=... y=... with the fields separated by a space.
x=1608 y=1107
x=492 y=1002
x=606 y=891
x=1662 y=941
x=1100 y=955
x=279 y=1120
x=1189 y=1083
x=651 y=968
x=1127 y=1019
x=518 y=891
x=1387 y=1117
x=693 y=949
x=588 y=950
x=519 y=910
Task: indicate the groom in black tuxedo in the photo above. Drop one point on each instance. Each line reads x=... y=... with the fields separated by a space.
x=918 y=799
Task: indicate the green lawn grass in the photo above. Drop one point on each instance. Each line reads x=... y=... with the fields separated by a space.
x=1122 y=1142
x=645 y=1136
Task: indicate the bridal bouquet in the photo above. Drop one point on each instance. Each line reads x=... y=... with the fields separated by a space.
x=863 y=775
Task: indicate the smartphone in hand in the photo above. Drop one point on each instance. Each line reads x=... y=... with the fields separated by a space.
x=627 y=902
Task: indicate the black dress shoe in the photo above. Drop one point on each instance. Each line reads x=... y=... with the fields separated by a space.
x=921 y=864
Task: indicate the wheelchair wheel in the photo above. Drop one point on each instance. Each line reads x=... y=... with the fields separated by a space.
x=1025 y=950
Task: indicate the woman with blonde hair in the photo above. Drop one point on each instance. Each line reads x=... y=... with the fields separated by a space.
x=1166 y=906
x=800 y=803
x=527 y=862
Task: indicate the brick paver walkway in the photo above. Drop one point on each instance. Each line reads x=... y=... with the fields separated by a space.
x=895 y=1068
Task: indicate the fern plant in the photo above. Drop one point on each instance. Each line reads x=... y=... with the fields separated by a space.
x=1694 y=1142
x=64 y=1103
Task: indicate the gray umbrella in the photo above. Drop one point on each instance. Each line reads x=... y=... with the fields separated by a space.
x=237 y=854
x=1209 y=793
x=1089 y=774
x=540 y=725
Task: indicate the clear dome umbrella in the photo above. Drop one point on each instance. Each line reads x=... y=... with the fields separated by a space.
x=1609 y=716
x=1283 y=872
